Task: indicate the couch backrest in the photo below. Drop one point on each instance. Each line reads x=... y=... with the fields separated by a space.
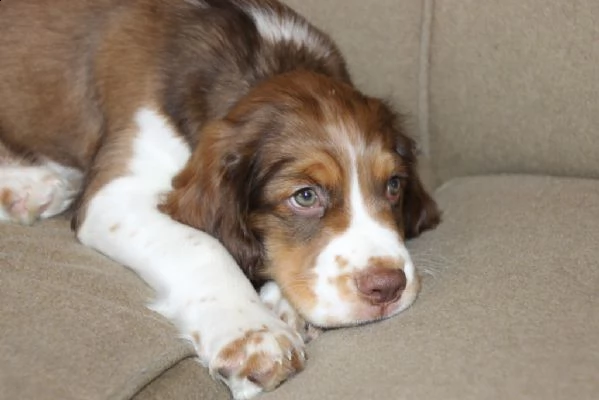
x=490 y=87
x=514 y=87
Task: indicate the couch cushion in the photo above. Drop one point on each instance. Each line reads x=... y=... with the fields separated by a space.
x=510 y=313
x=514 y=87
x=73 y=324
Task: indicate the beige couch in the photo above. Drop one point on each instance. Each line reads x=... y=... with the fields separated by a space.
x=504 y=97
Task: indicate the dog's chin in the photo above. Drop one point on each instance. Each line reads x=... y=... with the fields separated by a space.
x=361 y=312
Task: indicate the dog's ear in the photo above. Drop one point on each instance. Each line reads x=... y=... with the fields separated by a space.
x=419 y=211
x=212 y=194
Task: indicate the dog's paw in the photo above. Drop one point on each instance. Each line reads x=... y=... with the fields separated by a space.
x=260 y=360
x=30 y=193
x=247 y=348
x=272 y=296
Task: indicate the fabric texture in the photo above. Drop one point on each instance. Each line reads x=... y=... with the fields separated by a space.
x=73 y=324
x=514 y=87
x=508 y=310
x=181 y=383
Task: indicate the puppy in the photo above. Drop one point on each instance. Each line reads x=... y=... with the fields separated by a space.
x=212 y=146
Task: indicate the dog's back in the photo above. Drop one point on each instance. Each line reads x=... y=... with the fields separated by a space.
x=74 y=70
x=47 y=101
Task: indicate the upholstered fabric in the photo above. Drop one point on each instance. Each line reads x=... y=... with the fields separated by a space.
x=73 y=324
x=514 y=87
x=186 y=380
x=508 y=310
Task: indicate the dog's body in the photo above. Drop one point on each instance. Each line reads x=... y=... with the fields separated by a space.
x=233 y=117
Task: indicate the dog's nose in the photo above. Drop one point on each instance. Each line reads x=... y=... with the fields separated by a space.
x=381 y=285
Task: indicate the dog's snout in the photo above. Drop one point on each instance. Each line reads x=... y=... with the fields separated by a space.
x=381 y=285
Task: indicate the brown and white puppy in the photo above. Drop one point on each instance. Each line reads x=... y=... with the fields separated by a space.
x=221 y=143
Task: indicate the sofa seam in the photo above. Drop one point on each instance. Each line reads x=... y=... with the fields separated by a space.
x=156 y=378
x=424 y=76
x=148 y=375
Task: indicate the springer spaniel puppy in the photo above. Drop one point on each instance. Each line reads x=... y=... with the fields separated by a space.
x=212 y=146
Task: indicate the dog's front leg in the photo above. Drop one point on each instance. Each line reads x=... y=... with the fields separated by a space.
x=198 y=283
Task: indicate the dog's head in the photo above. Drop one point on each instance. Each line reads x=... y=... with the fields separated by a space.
x=312 y=184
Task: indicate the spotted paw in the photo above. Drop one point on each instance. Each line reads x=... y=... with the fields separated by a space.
x=259 y=361
x=248 y=348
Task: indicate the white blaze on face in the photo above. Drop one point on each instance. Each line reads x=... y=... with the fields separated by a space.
x=364 y=239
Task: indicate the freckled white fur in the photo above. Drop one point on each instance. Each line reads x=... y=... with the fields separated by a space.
x=284 y=28
x=272 y=296
x=199 y=285
x=365 y=238
x=38 y=191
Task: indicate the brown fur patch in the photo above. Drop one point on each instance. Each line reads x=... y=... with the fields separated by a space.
x=344 y=286
x=256 y=340
x=197 y=339
x=235 y=349
x=341 y=262
x=6 y=197
x=294 y=274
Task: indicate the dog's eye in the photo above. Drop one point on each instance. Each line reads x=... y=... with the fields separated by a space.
x=305 y=198
x=394 y=188
x=307 y=202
